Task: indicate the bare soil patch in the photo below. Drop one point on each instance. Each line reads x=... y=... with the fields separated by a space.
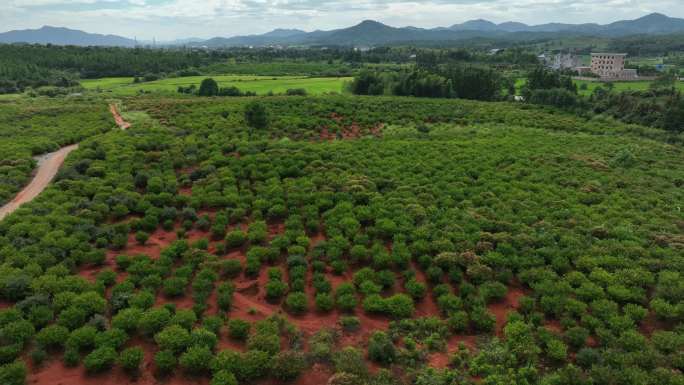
x=124 y=125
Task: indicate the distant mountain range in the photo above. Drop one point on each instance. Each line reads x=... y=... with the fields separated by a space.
x=64 y=36
x=368 y=33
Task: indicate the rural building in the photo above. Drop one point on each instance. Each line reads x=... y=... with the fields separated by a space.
x=560 y=61
x=611 y=66
x=565 y=61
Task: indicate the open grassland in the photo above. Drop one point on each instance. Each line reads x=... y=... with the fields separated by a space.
x=259 y=84
x=370 y=239
x=619 y=86
x=592 y=85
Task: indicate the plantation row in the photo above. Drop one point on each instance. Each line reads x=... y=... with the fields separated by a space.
x=307 y=117
x=33 y=127
x=517 y=253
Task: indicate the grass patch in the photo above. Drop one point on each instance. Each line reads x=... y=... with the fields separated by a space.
x=259 y=84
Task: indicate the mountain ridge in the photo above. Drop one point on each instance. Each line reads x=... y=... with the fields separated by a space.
x=366 y=33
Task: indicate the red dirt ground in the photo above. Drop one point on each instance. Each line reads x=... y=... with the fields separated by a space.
x=249 y=303
x=553 y=326
x=124 y=125
x=427 y=306
x=502 y=308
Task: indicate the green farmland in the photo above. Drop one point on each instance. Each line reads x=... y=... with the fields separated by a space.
x=618 y=86
x=259 y=84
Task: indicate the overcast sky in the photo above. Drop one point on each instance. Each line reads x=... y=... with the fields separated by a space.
x=171 y=19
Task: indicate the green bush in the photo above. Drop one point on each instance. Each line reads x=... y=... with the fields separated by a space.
x=173 y=338
x=82 y=338
x=227 y=361
x=203 y=337
x=196 y=359
x=399 y=306
x=347 y=302
x=185 y=318
x=142 y=237
x=127 y=319
x=297 y=302
x=223 y=377
x=38 y=356
x=100 y=359
x=18 y=332
x=236 y=238
x=13 y=373
x=324 y=302
x=264 y=341
x=350 y=360
x=288 y=365
x=458 y=322
x=415 y=289
x=350 y=323
x=174 y=286
x=53 y=336
x=492 y=291
x=275 y=290
x=153 y=320
x=482 y=319
x=381 y=348
x=131 y=358
x=114 y=338
x=165 y=361
x=238 y=329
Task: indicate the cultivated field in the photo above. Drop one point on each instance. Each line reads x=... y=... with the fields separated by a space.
x=361 y=238
x=259 y=84
x=619 y=86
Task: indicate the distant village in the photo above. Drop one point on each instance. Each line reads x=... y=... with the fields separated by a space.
x=604 y=66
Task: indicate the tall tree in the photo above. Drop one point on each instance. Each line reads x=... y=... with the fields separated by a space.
x=209 y=87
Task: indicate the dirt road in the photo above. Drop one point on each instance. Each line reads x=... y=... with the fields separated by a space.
x=48 y=165
x=118 y=118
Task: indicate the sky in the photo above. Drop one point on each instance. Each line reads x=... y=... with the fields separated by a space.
x=173 y=19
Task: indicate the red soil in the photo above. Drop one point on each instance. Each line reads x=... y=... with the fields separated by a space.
x=351 y=132
x=427 y=306
x=158 y=240
x=439 y=360
x=469 y=341
x=502 y=308
x=651 y=324
x=326 y=135
x=553 y=326
x=124 y=125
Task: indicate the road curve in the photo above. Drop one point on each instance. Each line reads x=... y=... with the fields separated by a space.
x=48 y=165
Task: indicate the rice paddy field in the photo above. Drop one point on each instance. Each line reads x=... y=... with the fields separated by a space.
x=125 y=86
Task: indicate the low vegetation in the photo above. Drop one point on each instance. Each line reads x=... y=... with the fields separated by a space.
x=237 y=239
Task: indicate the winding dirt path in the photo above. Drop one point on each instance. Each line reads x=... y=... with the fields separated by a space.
x=48 y=165
x=124 y=125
